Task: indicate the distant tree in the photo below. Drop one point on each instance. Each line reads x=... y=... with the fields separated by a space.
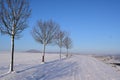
x=67 y=44
x=59 y=38
x=0 y=30
x=13 y=20
x=44 y=33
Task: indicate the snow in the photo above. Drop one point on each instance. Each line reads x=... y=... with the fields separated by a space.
x=78 y=67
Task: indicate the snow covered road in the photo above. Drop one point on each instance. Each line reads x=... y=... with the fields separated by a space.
x=78 y=67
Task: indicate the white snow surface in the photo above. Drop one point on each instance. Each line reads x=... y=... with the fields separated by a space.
x=78 y=67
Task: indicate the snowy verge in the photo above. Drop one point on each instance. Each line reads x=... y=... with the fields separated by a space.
x=77 y=67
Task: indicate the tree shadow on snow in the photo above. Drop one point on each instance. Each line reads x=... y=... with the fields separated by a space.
x=54 y=70
x=39 y=65
x=50 y=70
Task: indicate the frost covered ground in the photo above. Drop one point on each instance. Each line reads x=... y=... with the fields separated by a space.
x=77 y=67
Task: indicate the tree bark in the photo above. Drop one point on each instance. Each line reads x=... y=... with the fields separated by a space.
x=67 y=53
x=60 y=52
x=43 y=55
x=12 y=54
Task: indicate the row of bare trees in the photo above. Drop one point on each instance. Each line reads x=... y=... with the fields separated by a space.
x=62 y=39
x=48 y=32
x=13 y=20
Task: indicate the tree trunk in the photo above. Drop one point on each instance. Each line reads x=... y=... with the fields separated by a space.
x=43 y=55
x=12 y=54
x=67 y=53
x=60 y=52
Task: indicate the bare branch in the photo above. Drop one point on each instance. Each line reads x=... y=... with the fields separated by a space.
x=13 y=16
x=44 y=32
x=59 y=37
x=67 y=43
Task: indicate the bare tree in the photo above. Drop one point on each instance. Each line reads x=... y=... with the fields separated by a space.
x=44 y=33
x=13 y=20
x=59 y=38
x=67 y=44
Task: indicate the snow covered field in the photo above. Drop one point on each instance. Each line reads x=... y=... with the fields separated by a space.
x=78 y=67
